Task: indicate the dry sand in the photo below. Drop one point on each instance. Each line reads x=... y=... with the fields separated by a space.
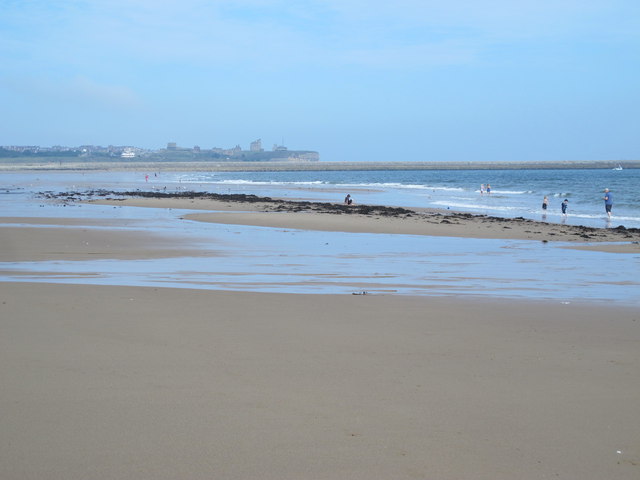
x=106 y=382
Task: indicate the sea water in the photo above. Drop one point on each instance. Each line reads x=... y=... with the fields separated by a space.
x=514 y=193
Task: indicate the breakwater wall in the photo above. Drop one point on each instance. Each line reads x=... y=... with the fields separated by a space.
x=312 y=166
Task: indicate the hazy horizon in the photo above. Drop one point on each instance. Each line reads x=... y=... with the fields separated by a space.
x=356 y=81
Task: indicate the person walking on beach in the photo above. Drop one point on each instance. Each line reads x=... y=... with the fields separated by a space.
x=608 y=202
x=564 y=206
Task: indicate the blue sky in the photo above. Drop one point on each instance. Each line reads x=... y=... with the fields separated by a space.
x=462 y=80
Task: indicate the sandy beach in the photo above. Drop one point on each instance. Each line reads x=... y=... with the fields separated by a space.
x=121 y=382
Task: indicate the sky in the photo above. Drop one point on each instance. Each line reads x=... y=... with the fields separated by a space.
x=355 y=80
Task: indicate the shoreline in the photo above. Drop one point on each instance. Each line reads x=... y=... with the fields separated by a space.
x=321 y=216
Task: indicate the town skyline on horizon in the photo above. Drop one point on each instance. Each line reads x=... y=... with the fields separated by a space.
x=168 y=146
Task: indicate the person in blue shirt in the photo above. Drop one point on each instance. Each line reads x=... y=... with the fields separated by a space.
x=564 y=206
x=608 y=201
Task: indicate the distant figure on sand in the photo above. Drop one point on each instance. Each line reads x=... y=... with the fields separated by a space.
x=608 y=201
x=488 y=189
x=348 y=200
x=564 y=206
x=545 y=203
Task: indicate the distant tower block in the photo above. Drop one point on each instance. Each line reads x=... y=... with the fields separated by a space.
x=256 y=146
x=172 y=146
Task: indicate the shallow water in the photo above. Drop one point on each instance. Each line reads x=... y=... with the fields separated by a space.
x=272 y=260
x=284 y=260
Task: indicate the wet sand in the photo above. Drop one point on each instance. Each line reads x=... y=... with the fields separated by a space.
x=46 y=239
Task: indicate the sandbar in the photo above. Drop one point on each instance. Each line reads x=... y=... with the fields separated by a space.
x=281 y=213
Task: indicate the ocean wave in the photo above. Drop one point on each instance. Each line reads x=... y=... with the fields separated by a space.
x=510 y=192
x=476 y=206
x=408 y=186
x=603 y=216
x=271 y=183
x=385 y=185
x=251 y=182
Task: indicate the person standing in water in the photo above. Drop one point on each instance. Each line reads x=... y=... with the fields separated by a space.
x=564 y=207
x=488 y=189
x=545 y=204
x=608 y=202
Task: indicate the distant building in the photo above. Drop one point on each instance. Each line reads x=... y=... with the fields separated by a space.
x=22 y=148
x=196 y=149
x=128 y=153
x=279 y=148
x=91 y=148
x=235 y=151
x=256 y=146
x=172 y=146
